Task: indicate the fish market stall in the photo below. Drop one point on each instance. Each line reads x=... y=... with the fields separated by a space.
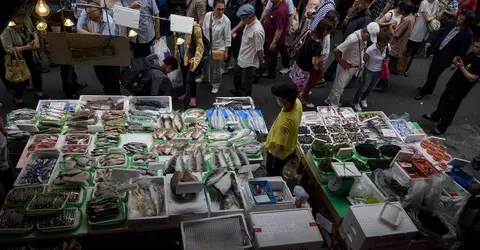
x=114 y=164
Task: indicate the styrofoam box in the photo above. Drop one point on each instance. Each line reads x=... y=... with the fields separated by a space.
x=365 y=230
x=31 y=158
x=48 y=102
x=147 y=223
x=402 y=176
x=167 y=99
x=277 y=184
x=85 y=98
x=214 y=207
x=182 y=211
x=285 y=229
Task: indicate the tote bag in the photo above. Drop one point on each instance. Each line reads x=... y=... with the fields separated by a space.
x=16 y=70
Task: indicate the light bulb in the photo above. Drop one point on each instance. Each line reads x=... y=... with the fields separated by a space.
x=11 y=23
x=68 y=22
x=132 y=33
x=41 y=25
x=180 y=41
x=41 y=8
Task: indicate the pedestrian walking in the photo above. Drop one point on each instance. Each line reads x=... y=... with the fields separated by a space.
x=374 y=59
x=323 y=7
x=315 y=80
x=196 y=9
x=309 y=57
x=401 y=34
x=23 y=39
x=231 y=9
x=454 y=41
x=148 y=28
x=349 y=57
x=97 y=21
x=462 y=81
x=392 y=17
x=189 y=52
x=216 y=28
x=427 y=12
x=283 y=136
x=275 y=26
x=251 y=53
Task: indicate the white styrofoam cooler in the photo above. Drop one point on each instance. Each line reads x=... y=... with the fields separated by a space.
x=277 y=184
x=167 y=99
x=285 y=229
x=214 y=206
x=362 y=228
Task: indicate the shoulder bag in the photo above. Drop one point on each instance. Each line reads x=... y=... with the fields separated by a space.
x=16 y=70
x=356 y=76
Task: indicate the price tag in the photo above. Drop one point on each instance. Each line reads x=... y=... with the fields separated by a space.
x=57 y=105
x=388 y=133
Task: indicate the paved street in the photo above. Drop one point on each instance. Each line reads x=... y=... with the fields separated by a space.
x=463 y=136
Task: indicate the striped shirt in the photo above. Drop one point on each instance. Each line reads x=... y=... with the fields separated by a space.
x=322 y=10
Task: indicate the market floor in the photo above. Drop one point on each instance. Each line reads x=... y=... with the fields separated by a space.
x=463 y=136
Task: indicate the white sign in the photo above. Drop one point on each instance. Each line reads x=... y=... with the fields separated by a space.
x=127 y=17
x=181 y=24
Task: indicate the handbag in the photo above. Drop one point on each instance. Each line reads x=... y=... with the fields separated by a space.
x=217 y=55
x=385 y=75
x=400 y=65
x=356 y=77
x=16 y=70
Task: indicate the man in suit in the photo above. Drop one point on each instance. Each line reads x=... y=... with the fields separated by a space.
x=453 y=41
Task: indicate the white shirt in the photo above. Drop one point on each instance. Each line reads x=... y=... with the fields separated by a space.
x=420 y=29
x=350 y=48
x=375 y=58
x=291 y=7
x=222 y=34
x=253 y=39
x=390 y=15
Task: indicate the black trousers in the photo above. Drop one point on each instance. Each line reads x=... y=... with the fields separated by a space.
x=447 y=107
x=272 y=57
x=189 y=80
x=109 y=77
x=440 y=63
x=412 y=49
x=36 y=76
x=243 y=80
x=69 y=80
x=142 y=49
x=235 y=47
x=275 y=165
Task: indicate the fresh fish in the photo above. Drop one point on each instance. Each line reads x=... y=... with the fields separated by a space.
x=262 y=127
x=219 y=135
x=172 y=162
x=253 y=147
x=228 y=201
x=168 y=122
x=215 y=176
x=222 y=160
x=192 y=162
x=214 y=160
x=161 y=122
x=235 y=159
x=196 y=135
x=108 y=104
x=200 y=160
x=148 y=105
x=195 y=112
x=135 y=147
x=242 y=157
x=242 y=133
x=177 y=121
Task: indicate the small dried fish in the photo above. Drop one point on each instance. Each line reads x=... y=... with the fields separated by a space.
x=73 y=193
x=74 y=176
x=108 y=104
x=163 y=149
x=48 y=201
x=164 y=134
x=85 y=117
x=103 y=208
x=144 y=158
x=10 y=219
x=22 y=116
x=117 y=128
x=64 y=219
x=104 y=139
x=21 y=196
x=135 y=147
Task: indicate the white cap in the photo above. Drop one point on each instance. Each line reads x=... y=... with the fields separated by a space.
x=373 y=29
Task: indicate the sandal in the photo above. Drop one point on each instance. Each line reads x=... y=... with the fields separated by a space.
x=193 y=102
x=181 y=98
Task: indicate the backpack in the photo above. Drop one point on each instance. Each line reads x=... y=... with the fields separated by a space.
x=134 y=77
x=298 y=44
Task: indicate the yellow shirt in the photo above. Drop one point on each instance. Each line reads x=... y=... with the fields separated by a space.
x=284 y=130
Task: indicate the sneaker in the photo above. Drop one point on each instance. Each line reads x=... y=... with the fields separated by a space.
x=199 y=80
x=214 y=90
x=284 y=71
x=321 y=83
x=364 y=104
x=357 y=107
x=308 y=104
x=309 y=93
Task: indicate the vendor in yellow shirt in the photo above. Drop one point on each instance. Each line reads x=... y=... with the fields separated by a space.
x=283 y=136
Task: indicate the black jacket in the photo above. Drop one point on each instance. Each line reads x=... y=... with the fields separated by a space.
x=458 y=46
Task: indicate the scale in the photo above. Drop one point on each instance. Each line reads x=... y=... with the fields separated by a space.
x=342 y=182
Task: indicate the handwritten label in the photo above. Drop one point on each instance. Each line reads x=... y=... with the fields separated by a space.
x=388 y=133
x=57 y=105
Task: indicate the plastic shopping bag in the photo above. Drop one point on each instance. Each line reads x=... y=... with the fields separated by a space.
x=160 y=48
x=176 y=78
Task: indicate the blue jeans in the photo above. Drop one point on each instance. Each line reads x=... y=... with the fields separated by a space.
x=370 y=80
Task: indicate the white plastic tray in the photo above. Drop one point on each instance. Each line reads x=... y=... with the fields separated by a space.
x=277 y=184
x=214 y=206
x=48 y=102
x=31 y=158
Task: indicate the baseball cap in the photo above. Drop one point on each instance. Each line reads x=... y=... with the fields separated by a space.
x=373 y=29
x=245 y=10
x=287 y=91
